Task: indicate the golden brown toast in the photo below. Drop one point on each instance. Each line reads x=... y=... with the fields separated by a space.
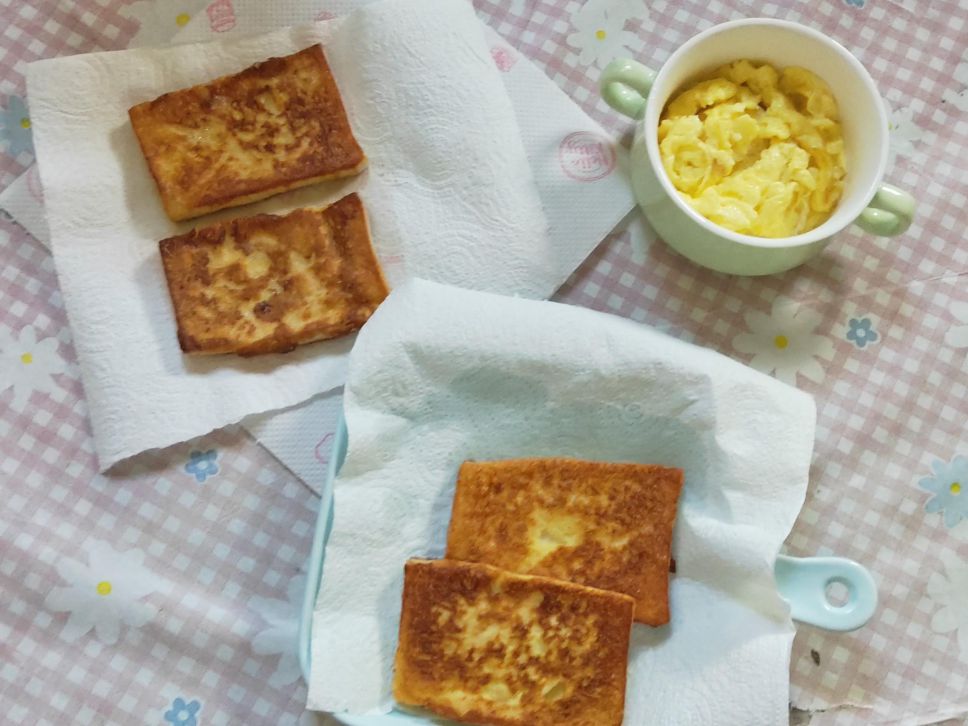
x=482 y=645
x=266 y=284
x=592 y=522
x=274 y=126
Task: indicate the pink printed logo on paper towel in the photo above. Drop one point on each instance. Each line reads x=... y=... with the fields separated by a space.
x=324 y=15
x=33 y=184
x=586 y=157
x=327 y=439
x=221 y=16
x=503 y=58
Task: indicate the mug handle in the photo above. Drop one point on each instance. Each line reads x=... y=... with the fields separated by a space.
x=890 y=212
x=803 y=582
x=624 y=85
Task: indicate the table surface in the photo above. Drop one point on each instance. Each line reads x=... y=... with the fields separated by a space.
x=167 y=591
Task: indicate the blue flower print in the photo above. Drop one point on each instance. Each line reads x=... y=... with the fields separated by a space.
x=861 y=333
x=182 y=714
x=201 y=464
x=950 y=487
x=15 y=127
x=855 y=3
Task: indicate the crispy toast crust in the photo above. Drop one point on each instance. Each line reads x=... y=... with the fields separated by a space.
x=481 y=645
x=265 y=284
x=601 y=524
x=275 y=126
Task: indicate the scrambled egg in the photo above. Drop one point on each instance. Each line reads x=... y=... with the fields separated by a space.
x=756 y=150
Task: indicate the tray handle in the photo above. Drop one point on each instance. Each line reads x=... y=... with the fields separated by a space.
x=803 y=583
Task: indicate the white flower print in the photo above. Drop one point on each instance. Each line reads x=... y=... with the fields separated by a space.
x=161 y=19
x=949 y=592
x=784 y=343
x=282 y=634
x=27 y=364
x=903 y=133
x=600 y=34
x=103 y=594
x=957 y=335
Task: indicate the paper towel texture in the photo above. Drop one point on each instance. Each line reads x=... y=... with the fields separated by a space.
x=441 y=375
x=580 y=172
x=449 y=193
x=580 y=212
x=581 y=207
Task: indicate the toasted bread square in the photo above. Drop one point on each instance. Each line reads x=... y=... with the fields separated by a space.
x=482 y=645
x=596 y=523
x=266 y=284
x=274 y=126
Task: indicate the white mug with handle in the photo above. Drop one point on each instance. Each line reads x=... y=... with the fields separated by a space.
x=641 y=93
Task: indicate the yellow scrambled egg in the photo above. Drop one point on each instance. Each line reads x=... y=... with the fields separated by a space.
x=756 y=150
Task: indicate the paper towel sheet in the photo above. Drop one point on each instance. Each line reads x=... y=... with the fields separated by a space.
x=449 y=193
x=441 y=375
x=580 y=173
x=580 y=210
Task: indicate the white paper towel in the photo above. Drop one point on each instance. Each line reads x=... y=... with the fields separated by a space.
x=441 y=375
x=579 y=171
x=449 y=193
x=581 y=174
x=581 y=211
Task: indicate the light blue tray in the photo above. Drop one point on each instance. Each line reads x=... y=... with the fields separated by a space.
x=802 y=581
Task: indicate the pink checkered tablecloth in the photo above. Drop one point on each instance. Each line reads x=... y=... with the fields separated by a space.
x=166 y=592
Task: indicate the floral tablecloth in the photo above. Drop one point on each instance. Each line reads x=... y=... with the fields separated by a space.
x=166 y=592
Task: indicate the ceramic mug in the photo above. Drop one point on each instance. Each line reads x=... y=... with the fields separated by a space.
x=640 y=93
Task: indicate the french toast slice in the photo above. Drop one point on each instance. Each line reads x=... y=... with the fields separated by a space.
x=267 y=283
x=482 y=645
x=275 y=126
x=602 y=524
